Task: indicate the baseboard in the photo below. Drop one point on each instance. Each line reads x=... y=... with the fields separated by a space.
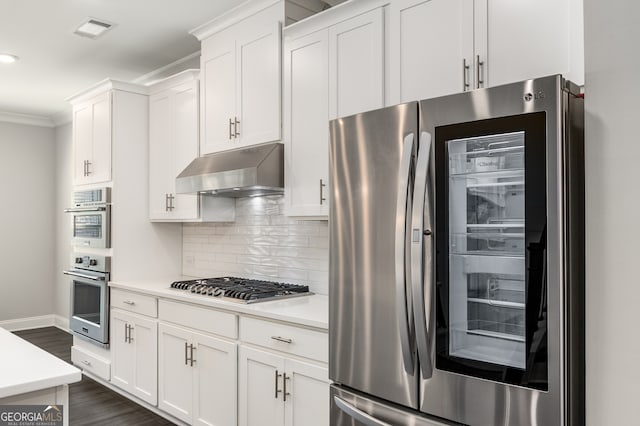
x=62 y=323
x=29 y=323
x=135 y=399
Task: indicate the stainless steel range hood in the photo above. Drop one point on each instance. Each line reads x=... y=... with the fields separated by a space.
x=243 y=172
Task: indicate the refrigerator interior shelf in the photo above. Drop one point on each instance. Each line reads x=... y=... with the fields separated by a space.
x=487 y=174
x=495 y=184
x=495 y=225
x=499 y=303
x=496 y=335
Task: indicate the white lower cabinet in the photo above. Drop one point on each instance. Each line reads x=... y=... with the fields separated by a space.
x=277 y=390
x=197 y=376
x=283 y=375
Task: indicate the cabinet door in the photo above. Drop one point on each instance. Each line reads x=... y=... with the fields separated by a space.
x=260 y=388
x=161 y=141
x=306 y=127
x=521 y=40
x=258 y=63
x=175 y=375
x=356 y=64
x=185 y=147
x=122 y=352
x=431 y=48
x=144 y=340
x=308 y=399
x=82 y=140
x=218 y=103
x=215 y=381
x=99 y=168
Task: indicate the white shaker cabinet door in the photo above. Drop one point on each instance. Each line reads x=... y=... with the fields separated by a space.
x=100 y=166
x=308 y=403
x=161 y=140
x=215 y=381
x=260 y=388
x=306 y=129
x=218 y=101
x=175 y=376
x=122 y=358
x=521 y=40
x=258 y=61
x=431 y=48
x=356 y=64
x=185 y=147
x=82 y=141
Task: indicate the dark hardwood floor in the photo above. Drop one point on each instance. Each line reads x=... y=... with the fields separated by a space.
x=90 y=403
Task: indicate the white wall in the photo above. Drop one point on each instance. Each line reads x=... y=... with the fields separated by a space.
x=27 y=221
x=612 y=95
x=262 y=243
x=63 y=221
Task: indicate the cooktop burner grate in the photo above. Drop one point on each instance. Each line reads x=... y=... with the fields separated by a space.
x=242 y=289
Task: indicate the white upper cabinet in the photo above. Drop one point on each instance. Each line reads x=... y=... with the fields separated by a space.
x=356 y=64
x=431 y=48
x=520 y=40
x=306 y=129
x=173 y=144
x=440 y=47
x=241 y=73
x=92 y=140
x=333 y=67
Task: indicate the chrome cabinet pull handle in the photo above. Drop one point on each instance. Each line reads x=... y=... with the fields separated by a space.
x=276 y=383
x=465 y=75
x=284 y=385
x=126 y=333
x=230 y=131
x=236 y=133
x=192 y=360
x=186 y=353
x=322 y=198
x=88 y=168
x=129 y=302
x=131 y=328
x=282 y=339
x=86 y=362
x=479 y=65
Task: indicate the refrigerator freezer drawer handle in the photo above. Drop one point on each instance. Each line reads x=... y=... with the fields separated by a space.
x=404 y=314
x=358 y=415
x=422 y=256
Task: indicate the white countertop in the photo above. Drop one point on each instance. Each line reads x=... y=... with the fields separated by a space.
x=310 y=311
x=25 y=367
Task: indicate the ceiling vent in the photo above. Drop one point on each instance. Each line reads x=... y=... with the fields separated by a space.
x=93 y=28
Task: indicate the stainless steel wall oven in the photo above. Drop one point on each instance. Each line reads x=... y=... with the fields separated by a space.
x=90 y=297
x=91 y=213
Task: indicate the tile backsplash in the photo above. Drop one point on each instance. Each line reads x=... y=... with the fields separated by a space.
x=262 y=243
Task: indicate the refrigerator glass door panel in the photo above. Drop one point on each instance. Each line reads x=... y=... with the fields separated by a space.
x=369 y=294
x=491 y=186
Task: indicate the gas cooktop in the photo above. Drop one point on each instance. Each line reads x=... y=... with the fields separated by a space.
x=242 y=290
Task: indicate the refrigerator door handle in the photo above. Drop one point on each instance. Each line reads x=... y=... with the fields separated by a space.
x=403 y=309
x=421 y=269
x=356 y=414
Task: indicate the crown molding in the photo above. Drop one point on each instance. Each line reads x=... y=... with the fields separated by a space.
x=235 y=15
x=28 y=119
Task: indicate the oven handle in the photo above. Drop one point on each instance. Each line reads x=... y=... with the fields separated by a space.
x=86 y=209
x=89 y=277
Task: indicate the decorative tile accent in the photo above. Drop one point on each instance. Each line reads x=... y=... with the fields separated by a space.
x=262 y=243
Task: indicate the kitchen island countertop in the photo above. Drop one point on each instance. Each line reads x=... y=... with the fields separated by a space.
x=25 y=367
x=310 y=311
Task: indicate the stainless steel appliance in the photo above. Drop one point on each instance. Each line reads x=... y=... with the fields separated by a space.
x=91 y=214
x=457 y=260
x=243 y=172
x=242 y=290
x=90 y=297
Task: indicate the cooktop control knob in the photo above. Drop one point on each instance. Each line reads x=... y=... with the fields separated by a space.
x=93 y=262
x=78 y=260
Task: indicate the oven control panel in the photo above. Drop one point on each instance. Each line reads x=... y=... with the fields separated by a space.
x=91 y=262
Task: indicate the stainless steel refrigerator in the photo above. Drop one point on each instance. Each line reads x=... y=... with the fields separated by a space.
x=457 y=260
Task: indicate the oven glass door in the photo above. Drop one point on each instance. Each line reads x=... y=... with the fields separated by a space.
x=91 y=228
x=90 y=304
x=491 y=208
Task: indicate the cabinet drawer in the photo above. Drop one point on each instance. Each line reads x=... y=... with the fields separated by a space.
x=286 y=338
x=134 y=302
x=204 y=319
x=90 y=363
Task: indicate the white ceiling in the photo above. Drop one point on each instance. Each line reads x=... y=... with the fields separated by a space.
x=55 y=63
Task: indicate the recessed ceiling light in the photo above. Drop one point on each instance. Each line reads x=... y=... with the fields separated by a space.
x=6 y=58
x=93 y=28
